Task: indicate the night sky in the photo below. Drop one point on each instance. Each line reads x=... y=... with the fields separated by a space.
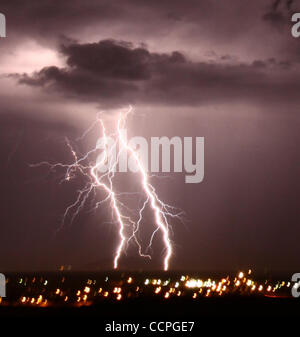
x=228 y=71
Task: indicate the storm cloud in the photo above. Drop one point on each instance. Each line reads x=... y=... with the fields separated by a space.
x=113 y=72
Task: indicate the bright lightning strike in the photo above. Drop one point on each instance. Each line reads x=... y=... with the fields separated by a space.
x=96 y=180
x=156 y=204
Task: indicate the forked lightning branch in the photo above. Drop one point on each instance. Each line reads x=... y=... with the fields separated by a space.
x=114 y=153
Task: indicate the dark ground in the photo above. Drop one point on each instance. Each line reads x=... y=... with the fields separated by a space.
x=232 y=314
x=211 y=315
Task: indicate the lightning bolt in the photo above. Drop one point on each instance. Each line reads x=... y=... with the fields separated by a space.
x=156 y=204
x=96 y=180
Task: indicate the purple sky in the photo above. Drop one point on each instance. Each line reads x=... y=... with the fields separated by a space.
x=225 y=70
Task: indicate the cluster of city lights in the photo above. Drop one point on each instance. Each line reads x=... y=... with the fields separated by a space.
x=42 y=292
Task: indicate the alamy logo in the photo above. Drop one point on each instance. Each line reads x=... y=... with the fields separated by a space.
x=2 y=25
x=161 y=155
x=296 y=286
x=296 y=27
x=2 y=285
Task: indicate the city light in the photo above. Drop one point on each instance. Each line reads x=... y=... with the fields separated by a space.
x=37 y=292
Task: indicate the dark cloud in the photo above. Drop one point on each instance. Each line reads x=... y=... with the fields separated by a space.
x=279 y=14
x=53 y=17
x=289 y=3
x=110 y=59
x=48 y=20
x=117 y=72
x=277 y=19
x=225 y=27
